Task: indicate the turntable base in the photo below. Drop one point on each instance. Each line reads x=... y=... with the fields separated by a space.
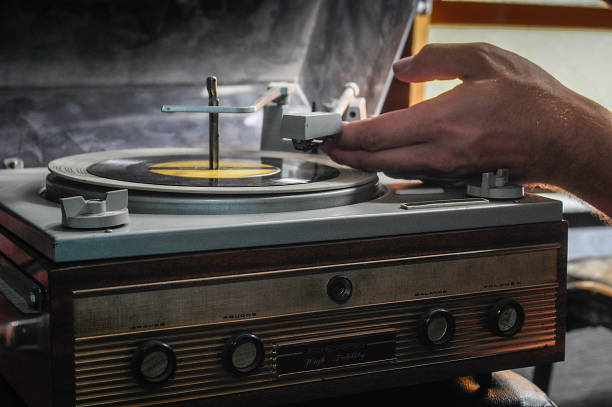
x=189 y=288
x=37 y=220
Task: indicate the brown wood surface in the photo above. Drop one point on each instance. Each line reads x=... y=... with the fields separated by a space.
x=87 y=275
x=399 y=92
x=403 y=94
x=24 y=258
x=420 y=37
x=65 y=278
x=562 y=298
x=28 y=373
x=483 y=13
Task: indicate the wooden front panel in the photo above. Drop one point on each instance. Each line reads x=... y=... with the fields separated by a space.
x=26 y=370
x=87 y=276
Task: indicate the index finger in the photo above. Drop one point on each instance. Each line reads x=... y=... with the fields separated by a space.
x=447 y=61
x=413 y=125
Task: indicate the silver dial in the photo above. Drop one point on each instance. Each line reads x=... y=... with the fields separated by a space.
x=244 y=356
x=507 y=319
x=154 y=365
x=437 y=328
x=243 y=353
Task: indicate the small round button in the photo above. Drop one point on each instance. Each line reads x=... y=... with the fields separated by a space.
x=153 y=363
x=436 y=327
x=243 y=353
x=339 y=289
x=506 y=317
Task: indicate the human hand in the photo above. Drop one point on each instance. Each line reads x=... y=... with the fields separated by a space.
x=508 y=112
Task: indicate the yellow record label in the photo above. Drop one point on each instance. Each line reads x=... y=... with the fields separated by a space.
x=227 y=169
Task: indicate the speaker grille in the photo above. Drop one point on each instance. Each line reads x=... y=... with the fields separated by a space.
x=102 y=365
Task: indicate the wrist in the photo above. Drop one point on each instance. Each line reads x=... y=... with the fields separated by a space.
x=585 y=168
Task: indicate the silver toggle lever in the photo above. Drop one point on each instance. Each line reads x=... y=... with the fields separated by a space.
x=277 y=92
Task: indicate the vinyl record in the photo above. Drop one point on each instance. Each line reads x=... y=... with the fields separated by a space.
x=193 y=171
x=186 y=171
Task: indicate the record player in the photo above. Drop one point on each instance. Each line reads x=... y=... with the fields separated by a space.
x=248 y=271
x=188 y=277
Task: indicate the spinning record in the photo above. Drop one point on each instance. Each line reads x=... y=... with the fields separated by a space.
x=186 y=171
x=193 y=171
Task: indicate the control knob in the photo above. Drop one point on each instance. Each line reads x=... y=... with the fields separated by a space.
x=339 y=289
x=153 y=363
x=436 y=327
x=506 y=317
x=243 y=353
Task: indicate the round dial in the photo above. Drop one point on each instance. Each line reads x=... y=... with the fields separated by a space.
x=506 y=317
x=436 y=327
x=243 y=353
x=339 y=289
x=153 y=363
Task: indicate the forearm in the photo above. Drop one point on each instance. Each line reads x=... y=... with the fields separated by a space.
x=586 y=171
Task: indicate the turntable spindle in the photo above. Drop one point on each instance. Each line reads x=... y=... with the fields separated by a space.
x=213 y=124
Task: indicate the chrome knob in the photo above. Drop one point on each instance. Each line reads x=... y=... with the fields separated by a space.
x=153 y=363
x=506 y=317
x=436 y=327
x=243 y=353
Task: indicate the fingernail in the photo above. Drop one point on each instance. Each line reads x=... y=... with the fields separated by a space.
x=402 y=64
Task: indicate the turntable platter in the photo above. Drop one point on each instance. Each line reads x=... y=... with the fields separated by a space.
x=192 y=171
x=186 y=171
x=179 y=181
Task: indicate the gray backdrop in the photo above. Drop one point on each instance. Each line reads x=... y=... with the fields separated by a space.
x=87 y=75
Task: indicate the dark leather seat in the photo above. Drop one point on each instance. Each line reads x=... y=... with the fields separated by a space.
x=589 y=303
x=501 y=389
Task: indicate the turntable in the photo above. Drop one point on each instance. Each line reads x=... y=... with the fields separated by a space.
x=189 y=277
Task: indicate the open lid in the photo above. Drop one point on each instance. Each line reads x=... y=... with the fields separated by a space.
x=92 y=74
x=318 y=44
